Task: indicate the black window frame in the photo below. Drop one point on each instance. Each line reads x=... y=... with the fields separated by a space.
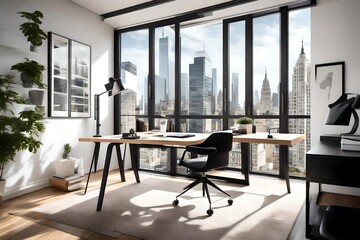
x=283 y=116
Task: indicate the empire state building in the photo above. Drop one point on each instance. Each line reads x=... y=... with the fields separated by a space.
x=299 y=104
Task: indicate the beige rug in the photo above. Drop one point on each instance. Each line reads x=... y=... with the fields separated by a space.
x=262 y=210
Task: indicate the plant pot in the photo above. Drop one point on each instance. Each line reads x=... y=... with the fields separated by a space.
x=65 y=167
x=26 y=80
x=33 y=48
x=248 y=127
x=36 y=96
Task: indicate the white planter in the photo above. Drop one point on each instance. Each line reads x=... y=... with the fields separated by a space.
x=248 y=127
x=65 y=167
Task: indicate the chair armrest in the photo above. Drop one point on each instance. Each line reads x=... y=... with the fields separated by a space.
x=197 y=150
x=201 y=150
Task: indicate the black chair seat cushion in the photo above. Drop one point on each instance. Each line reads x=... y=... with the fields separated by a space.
x=196 y=164
x=340 y=223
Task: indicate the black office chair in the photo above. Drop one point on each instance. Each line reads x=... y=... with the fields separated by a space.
x=216 y=148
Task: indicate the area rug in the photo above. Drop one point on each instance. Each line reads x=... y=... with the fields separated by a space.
x=263 y=210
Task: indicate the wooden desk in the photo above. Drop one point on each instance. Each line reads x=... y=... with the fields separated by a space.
x=283 y=139
x=146 y=138
x=154 y=139
x=327 y=163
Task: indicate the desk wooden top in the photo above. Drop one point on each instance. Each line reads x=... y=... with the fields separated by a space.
x=151 y=138
x=158 y=138
x=262 y=137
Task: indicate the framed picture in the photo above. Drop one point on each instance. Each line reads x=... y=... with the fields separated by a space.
x=330 y=81
x=69 y=77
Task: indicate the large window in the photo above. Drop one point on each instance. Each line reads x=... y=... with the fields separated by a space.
x=134 y=74
x=164 y=70
x=299 y=87
x=201 y=76
x=204 y=76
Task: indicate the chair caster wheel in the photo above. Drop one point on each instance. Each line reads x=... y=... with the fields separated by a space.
x=175 y=202
x=210 y=212
x=230 y=201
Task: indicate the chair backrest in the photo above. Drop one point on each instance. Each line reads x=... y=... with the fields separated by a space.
x=222 y=141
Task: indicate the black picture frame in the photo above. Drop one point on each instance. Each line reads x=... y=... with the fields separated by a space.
x=69 y=77
x=330 y=81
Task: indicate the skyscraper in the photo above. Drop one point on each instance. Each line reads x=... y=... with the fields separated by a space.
x=234 y=91
x=200 y=91
x=162 y=83
x=299 y=104
x=265 y=98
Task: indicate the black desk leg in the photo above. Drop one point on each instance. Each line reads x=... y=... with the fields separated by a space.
x=120 y=161
x=284 y=168
x=96 y=155
x=307 y=208
x=105 y=175
x=134 y=152
x=245 y=159
x=93 y=160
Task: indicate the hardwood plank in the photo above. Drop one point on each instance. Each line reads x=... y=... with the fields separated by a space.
x=15 y=227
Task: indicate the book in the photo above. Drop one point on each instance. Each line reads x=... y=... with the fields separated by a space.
x=350 y=147
x=350 y=141
x=72 y=177
x=65 y=185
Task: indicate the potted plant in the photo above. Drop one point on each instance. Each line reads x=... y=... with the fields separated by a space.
x=17 y=132
x=245 y=123
x=31 y=73
x=67 y=150
x=65 y=167
x=31 y=29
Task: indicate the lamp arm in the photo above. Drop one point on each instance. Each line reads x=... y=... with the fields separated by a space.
x=97 y=114
x=356 y=122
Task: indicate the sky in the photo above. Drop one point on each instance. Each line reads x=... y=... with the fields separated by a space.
x=209 y=37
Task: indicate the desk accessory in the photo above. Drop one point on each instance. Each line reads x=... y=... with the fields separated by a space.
x=113 y=87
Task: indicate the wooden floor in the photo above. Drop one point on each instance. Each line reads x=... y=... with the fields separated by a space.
x=14 y=227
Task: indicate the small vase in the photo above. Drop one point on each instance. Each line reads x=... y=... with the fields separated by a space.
x=248 y=127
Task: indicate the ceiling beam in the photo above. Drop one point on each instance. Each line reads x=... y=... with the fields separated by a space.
x=134 y=8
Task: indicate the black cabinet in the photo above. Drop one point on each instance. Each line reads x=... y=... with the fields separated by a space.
x=326 y=163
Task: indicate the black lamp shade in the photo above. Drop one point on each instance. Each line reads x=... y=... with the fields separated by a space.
x=341 y=110
x=340 y=113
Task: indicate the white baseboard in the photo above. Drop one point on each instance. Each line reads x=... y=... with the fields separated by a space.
x=18 y=191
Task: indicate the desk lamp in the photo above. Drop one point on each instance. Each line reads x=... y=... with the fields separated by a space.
x=341 y=110
x=113 y=87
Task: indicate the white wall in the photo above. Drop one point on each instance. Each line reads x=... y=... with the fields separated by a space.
x=32 y=171
x=335 y=37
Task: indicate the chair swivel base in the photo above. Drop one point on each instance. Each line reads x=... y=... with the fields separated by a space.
x=205 y=181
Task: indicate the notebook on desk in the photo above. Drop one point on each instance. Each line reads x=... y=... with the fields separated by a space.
x=181 y=135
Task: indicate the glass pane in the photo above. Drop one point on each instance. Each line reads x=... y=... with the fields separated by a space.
x=265 y=157
x=266 y=65
x=80 y=80
x=202 y=125
x=299 y=63
x=155 y=159
x=164 y=70
x=201 y=71
x=134 y=69
x=297 y=153
x=59 y=86
x=237 y=68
